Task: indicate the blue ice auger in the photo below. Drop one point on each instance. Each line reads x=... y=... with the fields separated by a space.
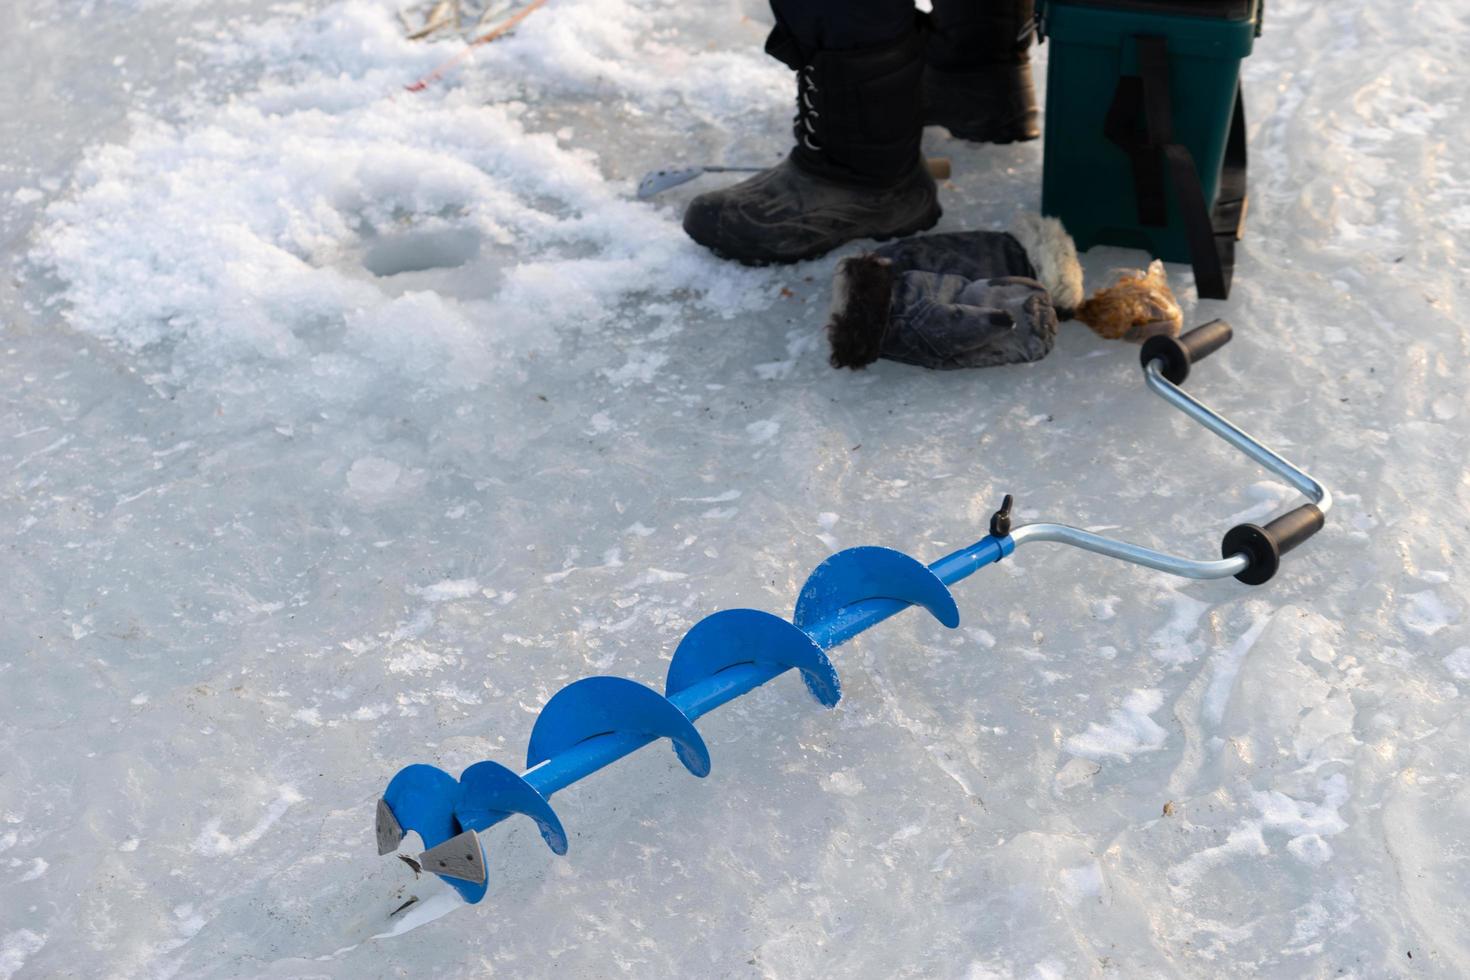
x=597 y=720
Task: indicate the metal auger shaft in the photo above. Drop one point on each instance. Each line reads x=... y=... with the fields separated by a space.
x=593 y=722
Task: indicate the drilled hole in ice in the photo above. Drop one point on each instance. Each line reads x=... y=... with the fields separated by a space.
x=419 y=251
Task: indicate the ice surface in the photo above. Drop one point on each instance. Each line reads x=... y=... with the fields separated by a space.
x=342 y=426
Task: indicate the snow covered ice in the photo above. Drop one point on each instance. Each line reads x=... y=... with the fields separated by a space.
x=342 y=426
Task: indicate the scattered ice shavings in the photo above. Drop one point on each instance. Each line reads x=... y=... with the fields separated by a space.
x=373 y=481
x=640 y=368
x=447 y=590
x=600 y=423
x=416 y=626
x=419 y=659
x=27 y=195
x=657 y=576
x=719 y=498
x=189 y=921
x=225 y=236
x=129 y=846
x=827 y=521
x=443 y=349
x=1226 y=666
x=38 y=868
x=1301 y=818
x=308 y=716
x=1105 y=608
x=1458 y=664
x=1129 y=730
x=842 y=783
x=138 y=699
x=211 y=841
x=1171 y=642
x=1075 y=773
x=981 y=636
x=1425 y=613
x=17 y=947
x=1081 y=883
x=1245 y=840
x=1310 y=849
x=763 y=431
x=906 y=832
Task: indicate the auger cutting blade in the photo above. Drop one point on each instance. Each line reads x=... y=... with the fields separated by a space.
x=390 y=834
x=459 y=857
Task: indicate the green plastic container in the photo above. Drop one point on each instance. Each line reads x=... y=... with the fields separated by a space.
x=1092 y=180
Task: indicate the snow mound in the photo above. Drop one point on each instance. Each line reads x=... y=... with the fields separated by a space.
x=332 y=228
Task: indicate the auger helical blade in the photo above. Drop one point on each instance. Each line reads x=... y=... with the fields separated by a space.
x=857 y=574
x=613 y=705
x=488 y=792
x=422 y=799
x=749 y=636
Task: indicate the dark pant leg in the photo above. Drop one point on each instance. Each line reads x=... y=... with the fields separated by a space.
x=971 y=33
x=838 y=25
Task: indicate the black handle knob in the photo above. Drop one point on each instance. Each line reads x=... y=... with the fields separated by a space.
x=1178 y=353
x=1264 y=546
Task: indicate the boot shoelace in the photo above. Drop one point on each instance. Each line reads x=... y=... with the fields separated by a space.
x=806 y=113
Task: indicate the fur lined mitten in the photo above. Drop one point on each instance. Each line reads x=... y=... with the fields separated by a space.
x=967 y=299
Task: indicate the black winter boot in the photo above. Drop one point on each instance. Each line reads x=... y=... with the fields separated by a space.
x=856 y=170
x=977 y=80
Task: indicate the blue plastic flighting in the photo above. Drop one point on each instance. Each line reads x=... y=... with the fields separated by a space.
x=597 y=720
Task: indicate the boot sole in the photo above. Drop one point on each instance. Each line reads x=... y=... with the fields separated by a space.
x=924 y=223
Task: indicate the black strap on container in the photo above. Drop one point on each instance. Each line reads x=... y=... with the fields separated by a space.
x=1153 y=153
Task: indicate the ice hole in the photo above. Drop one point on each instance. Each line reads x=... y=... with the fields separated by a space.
x=419 y=251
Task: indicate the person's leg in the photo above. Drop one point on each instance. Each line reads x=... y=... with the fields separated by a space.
x=978 y=80
x=856 y=170
x=841 y=25
x=970 y=33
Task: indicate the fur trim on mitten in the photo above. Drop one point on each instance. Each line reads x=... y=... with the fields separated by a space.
x=1053 y=255
x=862 y=293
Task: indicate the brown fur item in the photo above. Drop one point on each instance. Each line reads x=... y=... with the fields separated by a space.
x=861 y=297
x=1135 y=306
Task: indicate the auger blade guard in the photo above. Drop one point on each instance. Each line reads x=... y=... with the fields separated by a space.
x=613 y=705
x=744 y=636
x=857 y=574
x=489 y=791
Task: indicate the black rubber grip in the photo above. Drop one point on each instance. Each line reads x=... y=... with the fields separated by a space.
x=1178 y=353
x=1264 y=546
x=1204 y=340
